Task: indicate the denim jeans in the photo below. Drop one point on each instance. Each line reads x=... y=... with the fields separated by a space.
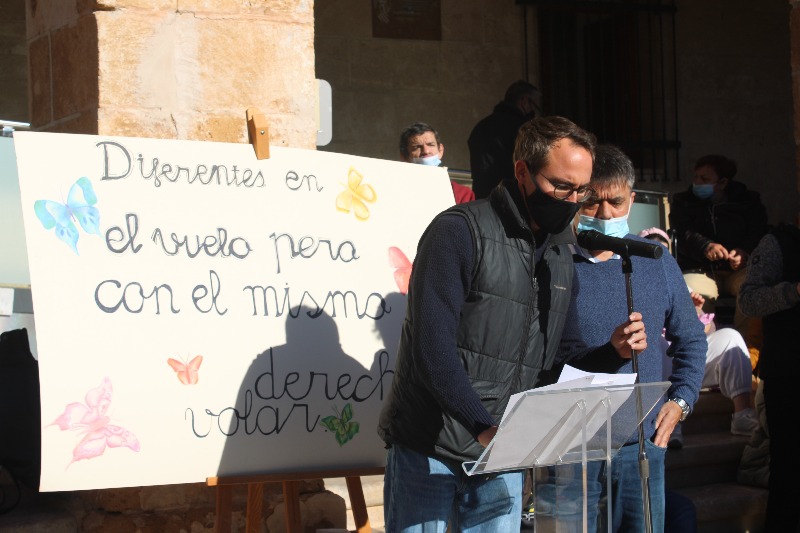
x=422 y=494
x=626 y=488
x=559 y=496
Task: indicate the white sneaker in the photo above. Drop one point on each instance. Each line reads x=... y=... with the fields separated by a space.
x=744 y=422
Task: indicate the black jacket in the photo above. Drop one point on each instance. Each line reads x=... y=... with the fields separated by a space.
x=738 y=222
x=779 y=329
x=509 y=331
x=491 y=148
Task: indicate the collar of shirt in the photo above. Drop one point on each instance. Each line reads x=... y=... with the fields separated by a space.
x=577 y=250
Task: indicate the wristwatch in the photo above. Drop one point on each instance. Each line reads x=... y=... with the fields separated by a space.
x=683 y=405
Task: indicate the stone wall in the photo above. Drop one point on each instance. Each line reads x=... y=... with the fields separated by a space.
x=183 y=69
x=734 y=83
x=795 y=59
x=382 y=85
x=189 y=507
x=735 y=93
x=13 y=62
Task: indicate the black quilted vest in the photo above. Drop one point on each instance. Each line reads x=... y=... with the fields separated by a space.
x=509 y=331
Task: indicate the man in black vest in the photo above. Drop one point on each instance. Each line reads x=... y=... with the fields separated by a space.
x=772 y=290
x=488 y=296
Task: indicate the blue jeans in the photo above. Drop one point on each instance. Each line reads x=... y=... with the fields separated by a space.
x=626 y=489
x=560 y=496
x=422 y=494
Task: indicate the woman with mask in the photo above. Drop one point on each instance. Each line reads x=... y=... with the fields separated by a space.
x=718 y=222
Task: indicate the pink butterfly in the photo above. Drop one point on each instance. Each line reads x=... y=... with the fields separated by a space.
x=90 y=418
x=402 y=266
x=187 y=372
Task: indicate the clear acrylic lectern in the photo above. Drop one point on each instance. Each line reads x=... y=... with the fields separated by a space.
x=555 y=428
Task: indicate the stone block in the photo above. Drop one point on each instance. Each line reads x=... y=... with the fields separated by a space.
x=395 y=64
x=179 y=496
x=197 y=74
x=332 y=59
x=346 y=18
x=113 y=500
x=463 y=21
x=479 y=68
x=44 y=16
x=74 y=66
x=110 y=5
x=283 y=10
x=503 y=26
x=39 y=88
x=320 y=510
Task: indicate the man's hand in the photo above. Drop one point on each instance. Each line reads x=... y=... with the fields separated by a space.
x=629 y=336
x=716 y=252
x=486 y=436
x=737 y=258
x=668 y=417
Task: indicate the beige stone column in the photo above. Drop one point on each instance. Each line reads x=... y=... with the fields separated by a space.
x=173 y=69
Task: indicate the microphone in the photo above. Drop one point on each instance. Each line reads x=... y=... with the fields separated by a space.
x=594 y=240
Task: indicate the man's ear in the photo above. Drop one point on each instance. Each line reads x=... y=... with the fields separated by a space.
x=723 y=183
x=633 y=196
x=520 y=169
x=441 y=150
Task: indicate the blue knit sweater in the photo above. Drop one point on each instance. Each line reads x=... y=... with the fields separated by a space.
x=599 y=304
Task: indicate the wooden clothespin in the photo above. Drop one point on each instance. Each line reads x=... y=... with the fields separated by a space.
x=258 y=132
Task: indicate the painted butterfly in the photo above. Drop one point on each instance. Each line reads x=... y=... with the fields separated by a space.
x=91 y=419
x=402 y=266
x=343 y=427
x=355 y=195
x=79 y=206
x=187 y=372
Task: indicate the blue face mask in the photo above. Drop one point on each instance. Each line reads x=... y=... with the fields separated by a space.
x=432 y=161
x=613 y=227
x=703 y=191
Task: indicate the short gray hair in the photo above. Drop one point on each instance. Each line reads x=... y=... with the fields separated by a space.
x=612 y=167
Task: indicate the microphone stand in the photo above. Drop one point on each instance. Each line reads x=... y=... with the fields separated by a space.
x=644 y=464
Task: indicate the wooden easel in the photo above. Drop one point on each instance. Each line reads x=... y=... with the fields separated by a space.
x=258 y=134
x=291 y=497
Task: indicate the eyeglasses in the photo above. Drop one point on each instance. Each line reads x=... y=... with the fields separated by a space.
x=562 y=191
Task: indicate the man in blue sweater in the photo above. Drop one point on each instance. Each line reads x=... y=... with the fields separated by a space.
x=487 y=302
x=599 y=302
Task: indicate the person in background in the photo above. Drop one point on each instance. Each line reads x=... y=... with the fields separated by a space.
x=491 y=142
x=420 y=143
x=718 y=222
x=771 y=290
x=599 y=296
x=727 y=367
x=478 y=330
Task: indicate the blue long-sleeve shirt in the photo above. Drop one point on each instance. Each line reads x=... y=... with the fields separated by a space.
x=599 y=304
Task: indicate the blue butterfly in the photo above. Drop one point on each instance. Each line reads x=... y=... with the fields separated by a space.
x=79 y=206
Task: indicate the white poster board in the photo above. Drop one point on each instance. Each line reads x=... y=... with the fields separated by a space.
x=204 y=313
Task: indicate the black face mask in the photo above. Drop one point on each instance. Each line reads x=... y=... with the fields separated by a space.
x=550 y=214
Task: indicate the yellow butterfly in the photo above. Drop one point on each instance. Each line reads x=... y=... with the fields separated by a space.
x=354 y=196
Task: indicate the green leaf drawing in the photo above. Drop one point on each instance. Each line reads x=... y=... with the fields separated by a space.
x=342 y=425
